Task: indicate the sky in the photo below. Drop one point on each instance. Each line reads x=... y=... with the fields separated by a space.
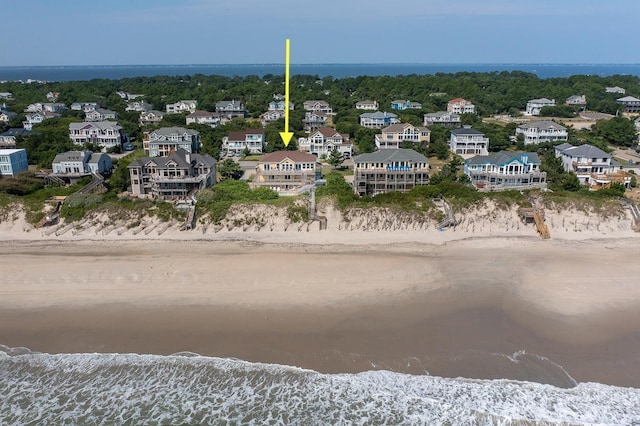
x=176 y=32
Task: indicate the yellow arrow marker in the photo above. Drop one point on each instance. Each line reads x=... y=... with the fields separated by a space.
x=286 y=135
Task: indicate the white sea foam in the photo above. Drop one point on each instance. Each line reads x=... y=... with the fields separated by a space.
x=138 y=389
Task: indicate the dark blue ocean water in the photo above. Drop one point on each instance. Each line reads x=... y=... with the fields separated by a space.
x=76 y=73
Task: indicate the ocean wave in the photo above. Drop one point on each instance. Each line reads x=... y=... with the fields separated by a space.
x=187 y=388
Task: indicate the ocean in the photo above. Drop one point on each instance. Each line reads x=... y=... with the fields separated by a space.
x=77 y=73
x=130 y=389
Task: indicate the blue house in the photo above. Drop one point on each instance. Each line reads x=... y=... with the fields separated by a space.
x=13 y=161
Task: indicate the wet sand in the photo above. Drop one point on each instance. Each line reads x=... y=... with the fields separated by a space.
x=467 y=308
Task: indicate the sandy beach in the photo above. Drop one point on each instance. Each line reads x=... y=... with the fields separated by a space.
x=480 y=305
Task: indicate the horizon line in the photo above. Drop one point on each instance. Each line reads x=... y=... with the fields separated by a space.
x=327 y=64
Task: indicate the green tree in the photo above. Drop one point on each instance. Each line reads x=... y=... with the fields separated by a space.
x=229 y=169
x=618 y=131
x=335 y=159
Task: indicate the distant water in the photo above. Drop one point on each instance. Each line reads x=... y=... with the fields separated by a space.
x=75 y=73
x=190 y=389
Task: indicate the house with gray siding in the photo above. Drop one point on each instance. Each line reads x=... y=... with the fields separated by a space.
x=389 y=170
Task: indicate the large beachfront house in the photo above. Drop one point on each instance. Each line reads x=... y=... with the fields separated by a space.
x=388 y=170
x=537 y=132
x=287 y=172
x=392 y=136
x=236 y=142
x=324 y=140
x=593 y=167
x=468 y=142
x=378 y=119
x=164 y=141
x=13 y=161
x=367 y=105
x=505 y=170
x=535 y=105
x=172 y=177
x=105 y=134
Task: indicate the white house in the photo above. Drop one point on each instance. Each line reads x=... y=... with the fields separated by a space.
x=535 y=105
x=100 y=114
x=182 y=106
x=13 y=161
x=468 y=142
x=139 y=106
x=392 y=136
x=593 y=167
x=105 y=134
x=537 y=132
x=272 y=116
x=150 y=117
x=231 y=109
x=367 y=105
x=279 y=106
x=317 y=106
x=324 y=140
x=314 y=120
x=37 y=118
x=615 y=89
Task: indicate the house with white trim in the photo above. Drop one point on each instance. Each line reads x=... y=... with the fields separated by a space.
x=150 y=117
x=468 y=142
x=272 y=116
x=378 y=119
x=182 y=106
x=105 y=134
x=287 y=172
x=389 y=170
x=37 y=118
x=615 y=89
x=504 y=171
x=236 y=142
x=175 y=176
x=279 y=105
x=211 y=119
x=461 y=106
x=442 y=118
x=367 y=105
x=314 y=120
x=536 y=132
x=401 y=105
x=629 y=103
x=13 y=161
x=165 y=140
x=231 y=109
x=594 y=168
x=76 y=164
x=100 y=114
x=535 y=105
x=392 y=136
x=317 y=106
x=324 y=140
x=139 y=106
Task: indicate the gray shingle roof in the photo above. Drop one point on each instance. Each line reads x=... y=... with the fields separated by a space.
x=542 y=124
x=466 y=131
x=586 y=150
x=168 y=131
x=388 y=155
x=178 y=157
x=378 y=114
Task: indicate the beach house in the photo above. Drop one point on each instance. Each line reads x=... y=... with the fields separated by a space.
x=314 y=120
x=171 y=177
x=287 y=172
x=322 y=141
x=100 y=114
x=211 y=119
x=367 y=105
x=150 y=117
x=442 y=118
x=13 y=161
x=231 y=109
x=505 y=171
x=388 y=170
x=105 y=134
x=317 y=106
x=164 y=141
x=535 y=105
x=629 y=103
x=536 y=132
x=73 y=165
x=182 y=106
x=594 y=168
x=401 y=105
x=468 y=142
x=378 y=119
x=394 y=135
x=461 y=106
x=236 y=142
